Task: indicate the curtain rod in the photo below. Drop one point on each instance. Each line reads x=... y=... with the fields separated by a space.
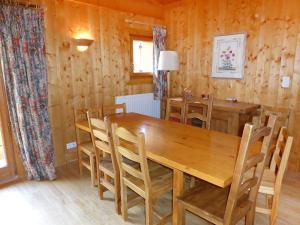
x=144 y=23
x=23 y=4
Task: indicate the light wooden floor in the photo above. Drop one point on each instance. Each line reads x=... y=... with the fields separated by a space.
x=70 y=200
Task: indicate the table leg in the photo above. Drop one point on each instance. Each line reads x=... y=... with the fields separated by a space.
x=178 y=189
x=235 y=124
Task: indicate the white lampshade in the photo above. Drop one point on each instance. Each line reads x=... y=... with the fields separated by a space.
x=168 y=61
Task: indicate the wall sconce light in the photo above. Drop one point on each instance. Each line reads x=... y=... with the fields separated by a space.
x=83 y=44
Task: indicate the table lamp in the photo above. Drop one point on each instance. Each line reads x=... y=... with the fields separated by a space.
x=168 y=61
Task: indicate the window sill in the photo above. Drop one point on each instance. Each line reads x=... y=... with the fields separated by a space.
x=140 y=79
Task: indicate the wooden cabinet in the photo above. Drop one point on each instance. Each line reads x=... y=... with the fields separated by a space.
x=230 y=117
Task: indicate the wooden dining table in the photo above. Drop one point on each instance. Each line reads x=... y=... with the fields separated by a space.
x=204 y=154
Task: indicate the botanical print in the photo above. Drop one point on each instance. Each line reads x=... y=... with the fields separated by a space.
x=228 y=59
x=228 y=56
x=25 y=78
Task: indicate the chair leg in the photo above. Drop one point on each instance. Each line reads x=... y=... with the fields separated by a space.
x=92 y=165
x=99 y=181
x=101 y=191
x=124 y=207
x=79 y=162
x=182 y=212
x=101 y=188
x=274 y=210
x=117 y=195
x=95 y=171
x=269 y=200
x=250 y=216
x=149 y=211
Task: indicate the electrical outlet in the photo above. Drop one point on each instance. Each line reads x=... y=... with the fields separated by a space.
x=71 y=145
x=285 y=82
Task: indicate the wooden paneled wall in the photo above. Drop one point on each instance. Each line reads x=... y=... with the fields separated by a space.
x=273 y=51
x=94 y=77
x=91 y=78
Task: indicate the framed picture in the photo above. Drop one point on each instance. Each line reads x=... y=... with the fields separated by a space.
x=229 y=56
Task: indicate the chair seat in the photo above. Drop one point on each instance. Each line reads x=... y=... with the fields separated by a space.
x=107 y=167
x=268 y=182
x=161 y=180
x=87 y=148
x=209 y=201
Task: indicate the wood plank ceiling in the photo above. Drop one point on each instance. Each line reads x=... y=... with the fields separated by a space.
x=152 y=8
x=167 y=1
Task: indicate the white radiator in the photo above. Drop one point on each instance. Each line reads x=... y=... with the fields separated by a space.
x=141 y=103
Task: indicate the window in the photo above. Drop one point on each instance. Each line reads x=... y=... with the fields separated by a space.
x=142 y=56
x=141 y=59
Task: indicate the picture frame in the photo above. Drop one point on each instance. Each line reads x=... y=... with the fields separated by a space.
x=228 y=59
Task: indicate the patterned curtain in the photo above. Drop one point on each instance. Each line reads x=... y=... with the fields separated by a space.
x=159 y=77
x=25 y=77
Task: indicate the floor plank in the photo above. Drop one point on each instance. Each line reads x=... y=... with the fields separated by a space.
x=70 y=200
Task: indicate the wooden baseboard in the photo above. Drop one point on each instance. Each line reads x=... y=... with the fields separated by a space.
x=11 y=180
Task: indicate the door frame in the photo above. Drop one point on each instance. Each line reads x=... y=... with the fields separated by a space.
x=9 y=172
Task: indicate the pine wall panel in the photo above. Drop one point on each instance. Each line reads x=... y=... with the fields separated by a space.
x=273 y=51
x=94 y=77
x=91 y=78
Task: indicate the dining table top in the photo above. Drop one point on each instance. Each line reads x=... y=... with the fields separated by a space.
x=205 y=154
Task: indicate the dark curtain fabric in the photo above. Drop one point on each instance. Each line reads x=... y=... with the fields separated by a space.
x=25 y=77
x=159 y=77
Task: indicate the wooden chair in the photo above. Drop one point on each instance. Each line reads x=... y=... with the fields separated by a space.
x=112 y=109
x=148 y=184
x=229 y=205
x=200 y=109
x=85 y=151
x=273 y=176
x=282 y=114
x=108 y=176
x=175 y=109
x=282 y=121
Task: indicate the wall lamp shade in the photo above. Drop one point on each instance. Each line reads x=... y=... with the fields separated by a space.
x=83 y=44
x=168 y=61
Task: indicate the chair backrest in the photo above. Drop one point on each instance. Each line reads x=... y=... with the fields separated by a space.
x=199 y=108
x=112 y=109
x=102 y=139
x=131 y=148
x=80 y=114
x=245 y=189
x=281 y=155
x=175 y=109
x=282 y=114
